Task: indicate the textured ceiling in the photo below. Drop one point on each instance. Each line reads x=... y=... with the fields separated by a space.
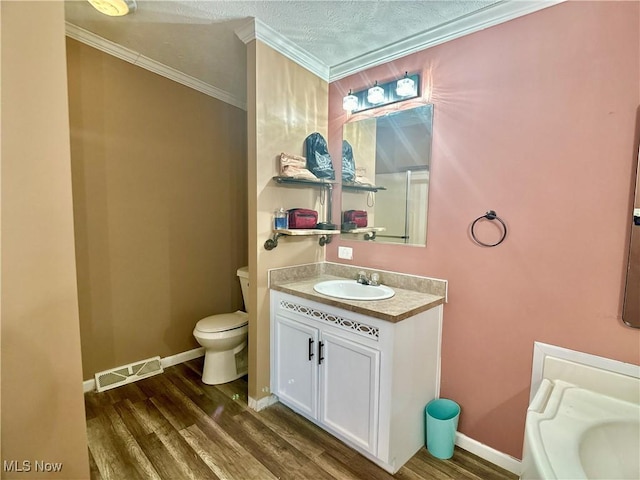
x=198 y=37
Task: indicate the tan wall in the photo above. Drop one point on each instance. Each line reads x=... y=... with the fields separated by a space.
x=159 y=184
x=361 y=136
x=285 y=104
x=42 y=402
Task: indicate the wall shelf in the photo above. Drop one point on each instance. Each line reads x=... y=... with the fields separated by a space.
x=325 y=235
x=305 y=231
x=369 y=232
x=358 y=187
x=321 y=183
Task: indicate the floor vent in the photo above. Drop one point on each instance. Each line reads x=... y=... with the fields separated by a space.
x=125 y=374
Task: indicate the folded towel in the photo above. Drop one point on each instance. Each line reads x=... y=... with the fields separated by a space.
x=294 y=166
x=360 y=176
x=292 y=160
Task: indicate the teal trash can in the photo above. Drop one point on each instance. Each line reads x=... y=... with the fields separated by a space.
x=441 y=425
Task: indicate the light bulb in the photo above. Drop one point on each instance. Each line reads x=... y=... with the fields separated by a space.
x=405 y=86
x=114 y=8
x=375 y=94
x=350 y=102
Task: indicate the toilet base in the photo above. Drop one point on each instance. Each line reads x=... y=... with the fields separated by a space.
x=223 y=367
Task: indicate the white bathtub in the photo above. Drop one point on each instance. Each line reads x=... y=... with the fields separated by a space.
x=576 y=433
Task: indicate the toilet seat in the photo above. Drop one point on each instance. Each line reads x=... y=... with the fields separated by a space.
x=222 y=322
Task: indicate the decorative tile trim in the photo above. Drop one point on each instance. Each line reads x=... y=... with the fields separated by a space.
x=346 y=324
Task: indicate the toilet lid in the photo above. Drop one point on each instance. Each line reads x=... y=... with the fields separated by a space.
x=222 y=322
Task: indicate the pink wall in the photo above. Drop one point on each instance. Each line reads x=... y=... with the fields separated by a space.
x=537 y=119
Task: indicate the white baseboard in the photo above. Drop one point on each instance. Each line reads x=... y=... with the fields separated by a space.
x=262 y=403
x=489 y=454
x=89 y=385
x=171 y=360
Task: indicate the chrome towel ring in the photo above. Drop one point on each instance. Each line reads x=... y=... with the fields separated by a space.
x=490 y=215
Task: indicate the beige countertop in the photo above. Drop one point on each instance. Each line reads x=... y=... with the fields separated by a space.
x=404 y=304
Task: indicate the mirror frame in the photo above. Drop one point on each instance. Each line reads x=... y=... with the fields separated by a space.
x=631 y=306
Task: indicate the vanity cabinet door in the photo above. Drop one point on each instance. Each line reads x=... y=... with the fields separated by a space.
x=296 y=365
x=349 y=390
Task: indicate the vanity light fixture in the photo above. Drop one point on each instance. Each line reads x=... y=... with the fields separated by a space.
x=114 y=8
x=394 y=91
x=405 y=86
x=350 y=102
x=375 y=94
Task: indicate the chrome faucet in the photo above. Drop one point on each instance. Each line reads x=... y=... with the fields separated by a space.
x=364 y=279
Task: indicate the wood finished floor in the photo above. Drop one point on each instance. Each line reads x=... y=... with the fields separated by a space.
x=172 y=426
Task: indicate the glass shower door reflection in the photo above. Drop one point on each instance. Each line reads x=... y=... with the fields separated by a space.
x=395 y=206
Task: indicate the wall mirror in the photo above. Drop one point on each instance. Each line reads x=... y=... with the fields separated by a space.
x=631 y=309
x=392 y=155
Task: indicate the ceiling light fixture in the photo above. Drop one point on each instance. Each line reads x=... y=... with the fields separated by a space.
x=350 y=102
x=375 y=94
x=405 y=86
x=394 y=91
x=114 y=8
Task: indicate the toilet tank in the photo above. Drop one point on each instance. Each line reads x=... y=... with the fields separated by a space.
x=243 y=276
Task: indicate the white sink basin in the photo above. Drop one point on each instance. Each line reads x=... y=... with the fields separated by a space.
x=352 y=290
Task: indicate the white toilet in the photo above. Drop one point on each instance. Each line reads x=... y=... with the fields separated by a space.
x=224 y=338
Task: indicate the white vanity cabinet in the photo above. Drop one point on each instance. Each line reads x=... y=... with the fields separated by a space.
x=310 y=377
x=363 y=379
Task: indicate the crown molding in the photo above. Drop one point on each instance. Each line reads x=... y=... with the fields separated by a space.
x=107 y=46
x=247 y=32
x=487 y=17
x=257 y=30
